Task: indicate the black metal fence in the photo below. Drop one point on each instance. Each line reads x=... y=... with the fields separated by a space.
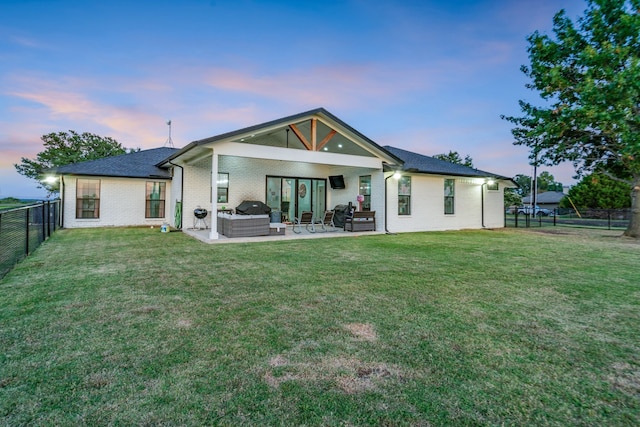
x=610 y=219
x=23 y=229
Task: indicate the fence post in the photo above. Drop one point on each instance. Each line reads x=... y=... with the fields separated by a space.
x=48 y=219
x=44 y=226
x=27 y=228
x=609 y=218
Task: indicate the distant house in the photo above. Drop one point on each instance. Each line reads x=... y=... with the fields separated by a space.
x=310 y=161
x=548 y=199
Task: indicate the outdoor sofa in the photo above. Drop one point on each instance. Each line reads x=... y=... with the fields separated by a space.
x=231 y=225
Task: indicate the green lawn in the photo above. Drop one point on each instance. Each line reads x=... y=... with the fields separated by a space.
x=138 y=327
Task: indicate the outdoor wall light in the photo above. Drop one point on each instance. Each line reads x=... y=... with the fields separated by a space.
x=397 y=175
x=51 y=180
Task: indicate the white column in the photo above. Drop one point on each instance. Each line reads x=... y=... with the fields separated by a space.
x=213 y=230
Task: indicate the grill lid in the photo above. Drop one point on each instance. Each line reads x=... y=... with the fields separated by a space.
x=253 y=207
x=200 y=213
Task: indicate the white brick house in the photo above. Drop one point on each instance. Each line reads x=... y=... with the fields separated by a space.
x=287 y=164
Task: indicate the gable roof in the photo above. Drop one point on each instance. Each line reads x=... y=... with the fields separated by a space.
x=319 y=112
x=414 y=162
x=139 y=164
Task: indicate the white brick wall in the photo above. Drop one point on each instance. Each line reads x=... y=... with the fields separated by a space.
x=427 y=206
x=122 y=203
x=197 y=190
x=494 y=208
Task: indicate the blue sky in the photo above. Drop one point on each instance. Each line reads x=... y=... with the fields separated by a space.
x=426 y=76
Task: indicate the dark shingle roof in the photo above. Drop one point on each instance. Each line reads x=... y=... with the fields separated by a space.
x=546 y=197
x=414 y=162
x=140 y=164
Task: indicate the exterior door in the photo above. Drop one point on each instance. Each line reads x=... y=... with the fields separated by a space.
x=304 y=192
x=292 y=196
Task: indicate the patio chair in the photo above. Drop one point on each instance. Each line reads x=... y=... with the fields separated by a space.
x=327 y=221
x=306 y=219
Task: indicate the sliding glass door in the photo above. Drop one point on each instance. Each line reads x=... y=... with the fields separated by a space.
x=292 y=196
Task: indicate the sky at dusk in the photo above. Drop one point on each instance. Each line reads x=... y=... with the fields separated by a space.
x=426 y=76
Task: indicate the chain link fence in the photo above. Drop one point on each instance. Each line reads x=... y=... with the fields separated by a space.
x=23 y=229
x=610 y=219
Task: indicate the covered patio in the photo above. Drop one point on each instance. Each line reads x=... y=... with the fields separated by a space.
x=308 y=162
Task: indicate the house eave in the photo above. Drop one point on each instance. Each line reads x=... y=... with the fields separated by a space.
x=320 y=113
x=156 y=177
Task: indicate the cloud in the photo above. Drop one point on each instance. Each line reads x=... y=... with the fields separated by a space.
x=338 y=86
x=73 y=102
x=25 y=42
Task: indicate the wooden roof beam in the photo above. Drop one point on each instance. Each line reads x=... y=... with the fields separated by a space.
x=326 y=139
x=301 y=137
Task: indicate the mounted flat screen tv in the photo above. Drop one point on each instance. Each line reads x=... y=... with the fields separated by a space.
x=336 y=182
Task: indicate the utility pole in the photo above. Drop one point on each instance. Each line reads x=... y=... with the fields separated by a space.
x=533 y=200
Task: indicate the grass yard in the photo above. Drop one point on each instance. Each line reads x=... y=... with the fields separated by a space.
x=137 y=327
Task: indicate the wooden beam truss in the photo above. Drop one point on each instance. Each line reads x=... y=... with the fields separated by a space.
x=312 y=145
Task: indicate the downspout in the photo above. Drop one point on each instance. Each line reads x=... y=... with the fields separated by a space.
x=181 y=192
x=482 y=202
x=386 y=204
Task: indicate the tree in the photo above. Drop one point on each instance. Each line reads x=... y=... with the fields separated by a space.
x=599 y=191
x=64 y=148
x=545 y=181
x=524 y=184
x=589 y=78
x=511 y=197
x=454 y=157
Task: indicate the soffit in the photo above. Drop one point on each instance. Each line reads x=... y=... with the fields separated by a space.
x=299 y=136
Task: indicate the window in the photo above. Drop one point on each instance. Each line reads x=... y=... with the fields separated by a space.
x=404 y=195
x=154 y=199
x=88 y=198
x=493 y=187
x=365 y=190
x=449 y=196
x=223 y=188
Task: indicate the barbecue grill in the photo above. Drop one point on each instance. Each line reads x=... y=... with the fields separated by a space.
x=199 y=220
x=252 y=207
